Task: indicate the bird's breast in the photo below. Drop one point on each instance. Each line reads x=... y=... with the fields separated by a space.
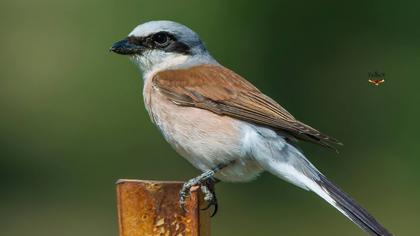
x=204 y=138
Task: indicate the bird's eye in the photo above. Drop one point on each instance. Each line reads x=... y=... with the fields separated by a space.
x=161 y=39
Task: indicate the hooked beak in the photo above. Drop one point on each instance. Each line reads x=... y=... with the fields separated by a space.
x=124 y=47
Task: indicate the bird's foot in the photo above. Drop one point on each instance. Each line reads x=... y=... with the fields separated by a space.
x=210 y=195
x=206 y=183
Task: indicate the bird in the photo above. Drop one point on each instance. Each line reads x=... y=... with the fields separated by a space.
x=221 y=123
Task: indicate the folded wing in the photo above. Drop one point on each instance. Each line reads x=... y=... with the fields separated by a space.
x=224 y=92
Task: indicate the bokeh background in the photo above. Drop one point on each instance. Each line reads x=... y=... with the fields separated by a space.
x=72 y=119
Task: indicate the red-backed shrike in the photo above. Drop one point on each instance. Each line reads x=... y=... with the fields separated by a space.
x=223 y=124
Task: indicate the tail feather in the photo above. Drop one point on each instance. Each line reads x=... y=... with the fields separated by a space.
x=351 y=208
x=284 y=160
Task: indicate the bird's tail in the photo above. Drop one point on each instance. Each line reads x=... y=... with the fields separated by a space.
x=293 y=167
x=341 y=201
x=349 y=207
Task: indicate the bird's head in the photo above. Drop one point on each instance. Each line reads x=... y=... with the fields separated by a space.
x=161 y=44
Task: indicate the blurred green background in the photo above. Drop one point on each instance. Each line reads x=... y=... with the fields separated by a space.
x=72 y=119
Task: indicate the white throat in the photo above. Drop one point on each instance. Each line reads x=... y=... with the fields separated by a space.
x=170 y=62
x=155 y=61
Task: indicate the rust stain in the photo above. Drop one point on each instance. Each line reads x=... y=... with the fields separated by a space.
x=151 y=208
x=152 y=187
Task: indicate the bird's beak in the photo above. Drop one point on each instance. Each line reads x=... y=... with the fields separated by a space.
x=124 y=47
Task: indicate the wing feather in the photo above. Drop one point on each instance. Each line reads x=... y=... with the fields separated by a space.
x=223 y=92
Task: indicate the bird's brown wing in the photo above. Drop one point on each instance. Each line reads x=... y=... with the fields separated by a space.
x=224 y=92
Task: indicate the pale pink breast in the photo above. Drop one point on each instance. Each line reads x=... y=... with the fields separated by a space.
x=205 y=139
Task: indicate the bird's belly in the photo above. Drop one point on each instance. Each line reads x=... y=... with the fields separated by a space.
x=205 y=139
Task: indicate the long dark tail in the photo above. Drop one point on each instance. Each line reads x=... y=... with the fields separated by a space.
x=291 y=165
x=352 y=209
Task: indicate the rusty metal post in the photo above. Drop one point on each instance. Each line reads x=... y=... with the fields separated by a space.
x=150 y=208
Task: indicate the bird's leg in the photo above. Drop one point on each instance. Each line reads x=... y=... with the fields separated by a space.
x=206 y=182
